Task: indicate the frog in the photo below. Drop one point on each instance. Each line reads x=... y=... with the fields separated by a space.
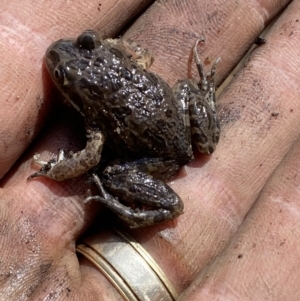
x=148 y=126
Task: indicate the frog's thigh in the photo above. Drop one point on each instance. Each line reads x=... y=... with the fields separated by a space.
x=71 y=166
x=157 y=167
x=141 y=189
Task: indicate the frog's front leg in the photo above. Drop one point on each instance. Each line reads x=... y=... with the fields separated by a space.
x=145 y=199
x=73 y=165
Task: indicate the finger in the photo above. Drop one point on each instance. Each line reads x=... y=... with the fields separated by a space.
x=262 y=260
x=27 y=30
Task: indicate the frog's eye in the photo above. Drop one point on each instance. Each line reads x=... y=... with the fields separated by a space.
x=88 y=40
x=88 y=43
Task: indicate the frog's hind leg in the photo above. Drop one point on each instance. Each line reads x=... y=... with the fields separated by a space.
x=205 y=128
x=164 y=203
x=146 y=200
x=198 y=103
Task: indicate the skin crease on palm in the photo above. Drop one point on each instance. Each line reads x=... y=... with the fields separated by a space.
x=238 y=238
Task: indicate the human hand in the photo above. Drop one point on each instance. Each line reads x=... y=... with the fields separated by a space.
x=41 y=220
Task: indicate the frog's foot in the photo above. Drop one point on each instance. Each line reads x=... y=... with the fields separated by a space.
x=207 y=80
x=46 y=167
x=143 y=58
x=145 y=191
x=74 y=164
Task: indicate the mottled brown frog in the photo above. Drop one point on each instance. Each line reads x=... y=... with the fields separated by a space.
x=148 y=126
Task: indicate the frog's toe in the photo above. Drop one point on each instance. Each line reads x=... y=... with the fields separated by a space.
x=37 y=161
x=35 y=175
x=46 y=168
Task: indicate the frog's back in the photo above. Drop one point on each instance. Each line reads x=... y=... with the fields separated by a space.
x=139 y=114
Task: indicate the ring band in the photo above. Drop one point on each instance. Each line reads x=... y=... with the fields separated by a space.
x=128 y=266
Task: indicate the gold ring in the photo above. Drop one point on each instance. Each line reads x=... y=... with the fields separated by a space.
x=128 y=266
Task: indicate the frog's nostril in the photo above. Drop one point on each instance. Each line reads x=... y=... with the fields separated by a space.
x=59 y=75
x=56 y=74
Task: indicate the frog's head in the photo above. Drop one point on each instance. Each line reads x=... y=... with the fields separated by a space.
x=68 y=63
